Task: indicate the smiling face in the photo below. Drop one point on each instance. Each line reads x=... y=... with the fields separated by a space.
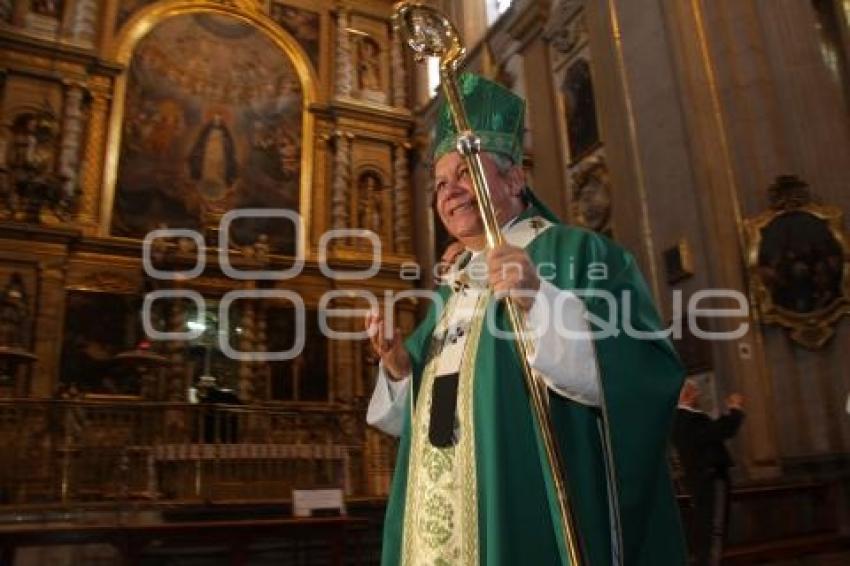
x=455 y=197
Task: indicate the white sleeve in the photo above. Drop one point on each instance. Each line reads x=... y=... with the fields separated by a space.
x=563 y=350
x=386 y=408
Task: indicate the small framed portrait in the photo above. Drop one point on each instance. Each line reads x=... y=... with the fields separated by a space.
x=580 y=109
x=798 y=263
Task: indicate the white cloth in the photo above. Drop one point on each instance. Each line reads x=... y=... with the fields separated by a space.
x=565 y=361
x=386 y=408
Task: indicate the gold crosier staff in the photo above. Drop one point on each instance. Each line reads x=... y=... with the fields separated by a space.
x=430 y=34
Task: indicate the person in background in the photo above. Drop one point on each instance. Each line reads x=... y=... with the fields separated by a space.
x=699 y=441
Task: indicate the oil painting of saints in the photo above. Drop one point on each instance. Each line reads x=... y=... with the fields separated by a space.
x=212 y=122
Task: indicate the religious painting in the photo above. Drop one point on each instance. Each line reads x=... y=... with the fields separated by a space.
x=213 y=122
x=99 y=327
x=48 y=8
x=798 y=260
x=303 y=25
x=580 y=108
x=305 y=376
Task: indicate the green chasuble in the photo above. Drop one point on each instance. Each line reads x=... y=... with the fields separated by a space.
x=513 y=505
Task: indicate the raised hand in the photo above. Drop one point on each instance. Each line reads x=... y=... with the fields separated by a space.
x=390 y=349
x=511 y=270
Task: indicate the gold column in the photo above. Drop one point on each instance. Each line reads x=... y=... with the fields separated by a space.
x=91 y=172
x=341 y=185
x=71 y=129
x=399 y=75
x=248 y=387
x=343 y=56
x=402 y=228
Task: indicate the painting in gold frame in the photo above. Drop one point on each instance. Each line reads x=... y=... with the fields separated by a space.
x=250 y=13
x=799 y=263
x=211 y=123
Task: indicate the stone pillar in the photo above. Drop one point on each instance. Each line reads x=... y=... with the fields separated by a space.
x=340 y=213
x=402 y=228
x=71 y=129
x=344 y=75
x=83 y=22
x=91 y=172
x=399 y=75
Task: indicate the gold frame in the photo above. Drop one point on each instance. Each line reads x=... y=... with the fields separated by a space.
x=811 y=330
x=250 y=12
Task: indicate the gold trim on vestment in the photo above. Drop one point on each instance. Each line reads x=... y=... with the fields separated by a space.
x=441 y=515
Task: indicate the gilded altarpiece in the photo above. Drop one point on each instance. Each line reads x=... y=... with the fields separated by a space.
x=177 y=113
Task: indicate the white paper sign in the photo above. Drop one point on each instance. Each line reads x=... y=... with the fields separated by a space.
x=305 y=502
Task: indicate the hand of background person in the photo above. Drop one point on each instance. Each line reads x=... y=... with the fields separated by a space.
x=735 y=401
x=390 y=349
x=510 y=269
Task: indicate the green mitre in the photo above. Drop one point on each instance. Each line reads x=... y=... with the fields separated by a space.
x=495 y=113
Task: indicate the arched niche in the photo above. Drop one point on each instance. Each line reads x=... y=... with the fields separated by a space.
x=210 y=116
x=372 y=206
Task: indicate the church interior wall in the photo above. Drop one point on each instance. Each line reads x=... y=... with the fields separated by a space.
x=78 y=66
x=701 y=106
x=783 y=115
x=696 y=107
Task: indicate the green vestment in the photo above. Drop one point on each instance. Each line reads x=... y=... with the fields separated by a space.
x=640 y=381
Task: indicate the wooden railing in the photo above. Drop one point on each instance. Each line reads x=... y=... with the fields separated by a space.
x=73 y=450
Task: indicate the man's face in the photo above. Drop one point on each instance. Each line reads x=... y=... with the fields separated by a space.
x=455 y=200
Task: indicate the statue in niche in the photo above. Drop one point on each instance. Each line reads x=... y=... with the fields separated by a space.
x=370 y=202
x=14 y=312
x=368 y=65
